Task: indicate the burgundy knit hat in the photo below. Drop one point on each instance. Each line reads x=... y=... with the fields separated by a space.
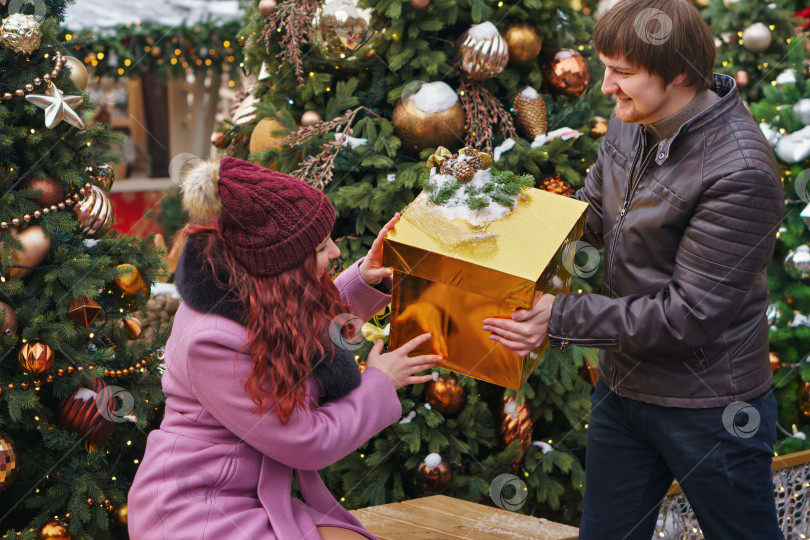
x=270 y=221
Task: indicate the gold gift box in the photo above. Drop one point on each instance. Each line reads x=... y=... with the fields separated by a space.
x=450 y=290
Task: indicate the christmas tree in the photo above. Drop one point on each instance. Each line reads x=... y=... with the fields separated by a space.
x=353 y=98
x=77 y=392
x=784 y=114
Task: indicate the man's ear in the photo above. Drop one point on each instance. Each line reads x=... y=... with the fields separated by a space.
x=679 y=80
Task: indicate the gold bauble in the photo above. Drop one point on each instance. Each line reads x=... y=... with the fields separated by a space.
x=132 y=326
x=263 y=137
x=20 y=33
x=84 y=310
x=78 y=73
x=8 y=320
x=155 y=52
x=310 y=118
x=446 y=395
x=776 y=362
x=565 y=72
x=516 y=423
x=419 y=4
x=35 y=247
x=530 y=112
x=103 y=174
x=804 y=400
x=267 y=7
x=600 y=127
x=342 y=32
x=483 y=53
x=130 y=282
x=35 y=357
x=121 y=515
x=52 y=192
x=53 y=530
x=94 y=213
x=524 y=43
x=433 y=474
x=418 y=129
x=8 y=457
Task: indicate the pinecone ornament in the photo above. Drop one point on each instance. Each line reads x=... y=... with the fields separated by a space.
x=464 y=171
x=472 y=158
x=557 y=184
x=449 y=166
x=530 y=112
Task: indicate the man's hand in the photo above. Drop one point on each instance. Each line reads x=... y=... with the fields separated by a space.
x=527 y=329
x=371 y=269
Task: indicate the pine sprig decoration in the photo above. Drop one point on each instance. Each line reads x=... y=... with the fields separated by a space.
x=483 y=111
x=295 y=18
x=505 y=185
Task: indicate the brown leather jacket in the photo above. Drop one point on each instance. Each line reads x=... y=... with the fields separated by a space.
x=681 y=318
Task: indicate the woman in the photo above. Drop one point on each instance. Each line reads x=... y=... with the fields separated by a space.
x=255 y=388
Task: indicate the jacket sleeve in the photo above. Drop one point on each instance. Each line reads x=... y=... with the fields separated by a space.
x=591 y=193
x=726 y=247
x=365 y=299
x=312 y=439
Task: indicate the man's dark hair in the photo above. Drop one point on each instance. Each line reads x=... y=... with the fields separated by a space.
x=664 y=37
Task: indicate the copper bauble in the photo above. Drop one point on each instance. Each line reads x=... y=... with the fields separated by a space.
x=589 y=373
x=266 y=135
x=103 y=174
x=78 y=73
x=35 y=357
x=9 y=466
x=155 y=52
x=20 y=33
x=53 y=530
x=220 y=140
x=8 y=320
x=418 y=129
x=342 y=32
x=483 y=53
x=419 y=4
x=121 y=517
x=94 y=213
x=524 y=43
x=776 y=362
x=130 y=281
x=804 y=400
x=600 y=127
x=310 y=118
x=83 y=414
x=433 y=474
x=565 y=72
x=132 y=326
x=267 y=7
x=446 y=395
x=35 y=247
x=50 y=187
x=557 y=184
x=516 y=423
x=84 y=310
x=530 y=112
x=742 y=78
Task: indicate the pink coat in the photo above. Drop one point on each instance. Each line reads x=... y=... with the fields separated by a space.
x=216 y=471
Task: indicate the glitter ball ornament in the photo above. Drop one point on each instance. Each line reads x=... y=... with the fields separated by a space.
x=9 y=466
x=530 y=112
x=20 y=33
x=50 y=187
x=342 y=32
x=433 y=474
x=524 y=43
x=94 y=213
x=797 y=262
x=483 y=52
x=445 y=395
x=35 y=357
x=565 y=72
x=757 y=37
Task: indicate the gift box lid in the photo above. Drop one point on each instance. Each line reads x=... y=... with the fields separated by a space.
x=508 y=268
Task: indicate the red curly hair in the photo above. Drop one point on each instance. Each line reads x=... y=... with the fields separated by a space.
x=283 y=313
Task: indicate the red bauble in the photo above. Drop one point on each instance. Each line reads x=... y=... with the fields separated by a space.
x=85 y=414
x=52 y=192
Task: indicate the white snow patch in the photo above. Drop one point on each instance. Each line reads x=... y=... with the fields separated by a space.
x=456 y=206
x=543 y=446
x=529 y=93
x=85 y=394
x=407 y=419
x=433 y=460
x=354 y=142
x=511 y=409
x=435 y=376
x=434 y=97
x=564 y=133
x=502 y=148
x=485 y=30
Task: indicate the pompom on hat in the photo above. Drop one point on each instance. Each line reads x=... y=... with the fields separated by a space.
x=270 y=221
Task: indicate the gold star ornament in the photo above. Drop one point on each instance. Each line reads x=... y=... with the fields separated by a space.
x=57 y=107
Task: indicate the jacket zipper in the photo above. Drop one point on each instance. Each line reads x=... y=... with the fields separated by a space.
x=585 y=342
x=631 y=187
x=701 y=358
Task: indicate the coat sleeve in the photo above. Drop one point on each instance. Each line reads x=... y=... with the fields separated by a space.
x=365 y=299
x=312 y=439
x=724 y=249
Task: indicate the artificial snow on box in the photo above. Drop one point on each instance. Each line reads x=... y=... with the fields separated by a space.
x=477 y=243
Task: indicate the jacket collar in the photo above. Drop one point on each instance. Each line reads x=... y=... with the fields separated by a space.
x=337 y=372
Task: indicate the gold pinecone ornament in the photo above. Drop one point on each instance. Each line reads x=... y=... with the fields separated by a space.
x=530 y=112
x=462 y=165
x=557 y=184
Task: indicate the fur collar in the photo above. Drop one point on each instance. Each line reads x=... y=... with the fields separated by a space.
x=338 y=372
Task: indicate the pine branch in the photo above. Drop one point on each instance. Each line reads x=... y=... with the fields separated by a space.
x=295 y=18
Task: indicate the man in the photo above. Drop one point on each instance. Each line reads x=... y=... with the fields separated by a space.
x=685 y=198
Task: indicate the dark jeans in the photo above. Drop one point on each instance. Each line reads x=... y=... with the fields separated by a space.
x=723 y=464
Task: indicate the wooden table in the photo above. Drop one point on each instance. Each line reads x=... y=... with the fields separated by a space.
x=445 y=518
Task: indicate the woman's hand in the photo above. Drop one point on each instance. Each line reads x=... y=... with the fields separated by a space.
x=527 y=329
x=371 y=269
x=429 y=319
x=399 y=367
